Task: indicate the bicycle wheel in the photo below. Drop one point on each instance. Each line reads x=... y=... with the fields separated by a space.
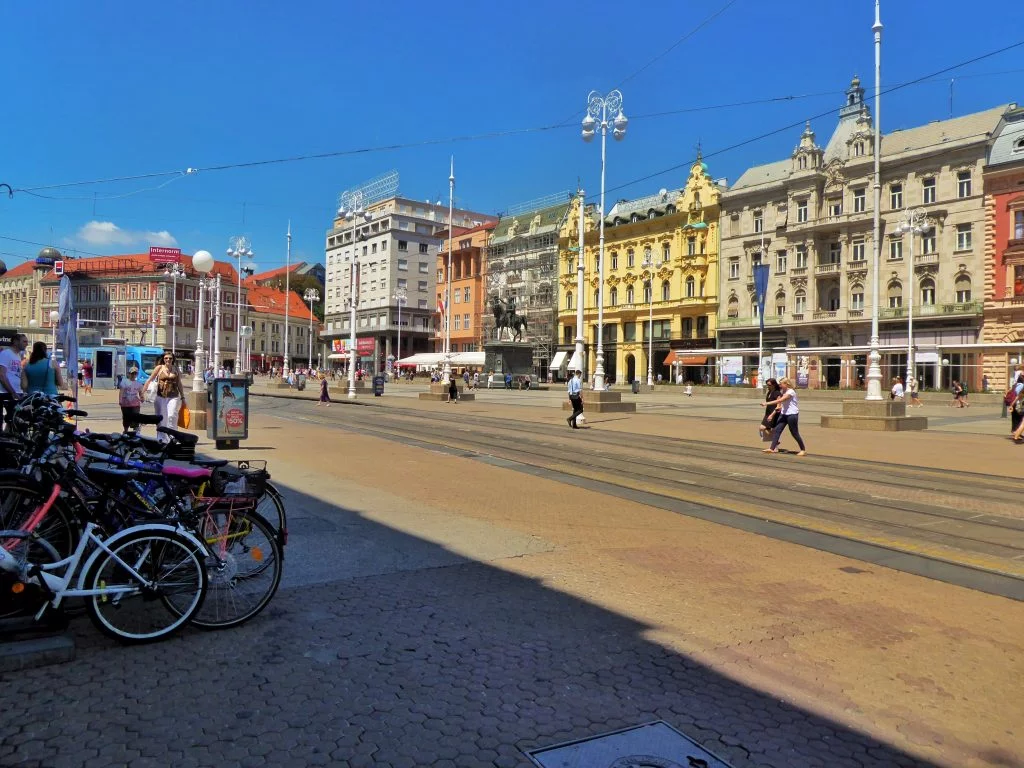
x=20 y=498
x=271 y=507
x=18 y=598
x=243 y=567
x=172 y=566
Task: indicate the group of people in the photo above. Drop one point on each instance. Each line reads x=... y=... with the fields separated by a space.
x=18 y=377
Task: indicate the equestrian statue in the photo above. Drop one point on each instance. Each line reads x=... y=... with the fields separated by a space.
x=505 y=316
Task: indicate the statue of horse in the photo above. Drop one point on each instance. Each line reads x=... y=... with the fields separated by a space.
x=506 y=317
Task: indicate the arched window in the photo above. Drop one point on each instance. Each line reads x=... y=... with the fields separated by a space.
x=802 y=162
x=647 y=291
x=691 y=286
x=666 y=291
x=780 y=303
x=927 y=292
x=629 y=294
x=895 y=294
x=568 y=300
x=963 y=289
x=857 y=297
x=613 y=298
x=733 y=307
x=800 y=302
x=597 y=297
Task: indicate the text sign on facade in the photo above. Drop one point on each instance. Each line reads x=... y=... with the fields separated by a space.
x=58 y=267
x=160 y=255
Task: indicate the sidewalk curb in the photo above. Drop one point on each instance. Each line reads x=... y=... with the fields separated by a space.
x=37 y=647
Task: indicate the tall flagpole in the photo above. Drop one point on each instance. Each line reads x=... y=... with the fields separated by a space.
x=287 y=291
x=448 y=277
x=875 y=357
x=577 y=357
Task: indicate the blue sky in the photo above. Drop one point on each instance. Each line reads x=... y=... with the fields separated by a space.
x=112 y=89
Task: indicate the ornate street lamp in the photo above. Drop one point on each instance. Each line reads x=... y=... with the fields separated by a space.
x=174 y=271
x=355 y=213
x=598 y=109
x=400 y=298
x=311 y=296
x=202 y=262
x=240 y=248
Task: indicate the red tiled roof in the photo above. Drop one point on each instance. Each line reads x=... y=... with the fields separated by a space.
x=23 y=269
x=127 y=265
x=271 y=274
x=271 y=301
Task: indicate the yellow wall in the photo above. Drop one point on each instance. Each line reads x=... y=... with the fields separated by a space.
x=696 y=215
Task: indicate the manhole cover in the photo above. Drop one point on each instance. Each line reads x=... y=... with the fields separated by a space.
x=652 y=745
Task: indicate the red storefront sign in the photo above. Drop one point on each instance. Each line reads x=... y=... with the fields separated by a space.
x=159 y=255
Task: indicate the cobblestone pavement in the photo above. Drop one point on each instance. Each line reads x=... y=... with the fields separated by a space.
x=436 y=611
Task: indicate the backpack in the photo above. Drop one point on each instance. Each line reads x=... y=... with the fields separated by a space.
x=1010 y=396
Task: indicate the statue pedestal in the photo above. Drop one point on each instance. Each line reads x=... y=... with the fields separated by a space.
x=875 y=416
x=515 y=357
x=439 y=392
x=601 y=402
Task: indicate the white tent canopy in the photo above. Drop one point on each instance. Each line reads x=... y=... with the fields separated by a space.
x=558 y=360
x=438 y=358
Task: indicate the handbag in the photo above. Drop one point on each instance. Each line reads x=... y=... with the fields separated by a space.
x=149 y=393
x=184 y=417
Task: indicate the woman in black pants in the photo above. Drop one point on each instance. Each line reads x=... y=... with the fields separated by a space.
x=789 y=415
x=771 y=394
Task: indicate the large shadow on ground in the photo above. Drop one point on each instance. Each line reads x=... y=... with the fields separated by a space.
x=384 y=649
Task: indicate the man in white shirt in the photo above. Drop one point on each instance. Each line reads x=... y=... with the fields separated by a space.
x=10 y=376
x=575 y=390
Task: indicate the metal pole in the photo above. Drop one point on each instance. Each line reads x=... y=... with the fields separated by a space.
x=448 y=278
x=216 y=327
x=599 y=370
x=580 y=288
x=152 y=315
x=174 y=311
x=287 y=291
x=874 y=382
x=197 y=373
x=309 y=364
x=760 y=324
x=910 y=312
x=650 y=333
x=352 y=310
x=238 y=321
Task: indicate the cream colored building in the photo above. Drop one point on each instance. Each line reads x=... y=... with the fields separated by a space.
x=810 y=217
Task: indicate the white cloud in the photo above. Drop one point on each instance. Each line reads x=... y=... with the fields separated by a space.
x=107 y=233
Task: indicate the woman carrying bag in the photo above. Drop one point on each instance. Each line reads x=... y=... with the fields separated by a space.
x=169 y=393
x=40 y=373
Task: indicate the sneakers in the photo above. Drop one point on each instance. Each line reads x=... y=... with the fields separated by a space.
x=569 y=422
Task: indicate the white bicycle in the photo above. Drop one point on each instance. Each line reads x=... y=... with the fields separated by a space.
x=140 y=585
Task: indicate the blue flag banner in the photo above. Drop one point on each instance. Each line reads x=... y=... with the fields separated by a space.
x=760 y=289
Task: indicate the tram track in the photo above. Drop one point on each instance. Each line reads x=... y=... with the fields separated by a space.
x=657 y=472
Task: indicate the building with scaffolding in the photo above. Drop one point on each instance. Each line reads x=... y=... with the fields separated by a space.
x=522 y=273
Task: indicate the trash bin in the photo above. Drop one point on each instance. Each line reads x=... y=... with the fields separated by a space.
x=636 y=386
x=227 y=411
x=300 y=382
x=378 y=386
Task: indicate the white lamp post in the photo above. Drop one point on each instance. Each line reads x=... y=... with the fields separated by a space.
x=311 y=296
x=914 y=222
x=216 y=326
x=240 y=248
x=174 y=271
x=577 y=357
x=54 y=318
x=287 y=291
x=448 y=278
x=648 y=265
x=599 y=106
x=400 y=297
x=202 y=262
x=356 y=213
x=874 y=380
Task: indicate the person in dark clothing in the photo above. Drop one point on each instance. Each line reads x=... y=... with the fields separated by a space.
x=453 y=390
x=325 y=396
x=771 y=414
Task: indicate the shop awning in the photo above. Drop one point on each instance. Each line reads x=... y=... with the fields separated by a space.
x=671 y=358
x=558 y=360
x=695 y=360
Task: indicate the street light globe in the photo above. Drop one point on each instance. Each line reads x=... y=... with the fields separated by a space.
x=945 y=361
x=54 y=315
x=202 y=261
x=33 y=323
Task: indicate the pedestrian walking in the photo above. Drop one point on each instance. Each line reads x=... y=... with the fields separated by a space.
x=915 y=400
x=1014 y=399
x=575 y=390
x=772 y=393
x=453 y=390
x=130 y=398
x=87 y=377
x=789 y=416
x=169 y=393
x=40 y=373
x=958 y=393
x=325 y=396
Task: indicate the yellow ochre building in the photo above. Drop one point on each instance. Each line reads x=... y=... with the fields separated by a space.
x=662 y=253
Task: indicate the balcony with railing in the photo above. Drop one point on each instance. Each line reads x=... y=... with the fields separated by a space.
x=934 y=310
x=739 y=322
x=827 y=268
x=926 y=259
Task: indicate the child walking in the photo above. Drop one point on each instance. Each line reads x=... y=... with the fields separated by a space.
x=129 y=398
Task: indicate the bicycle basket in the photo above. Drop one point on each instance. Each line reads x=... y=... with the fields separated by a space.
x=247 y=477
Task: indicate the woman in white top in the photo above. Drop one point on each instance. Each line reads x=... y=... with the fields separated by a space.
x=896 y=393
x=789 y=415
